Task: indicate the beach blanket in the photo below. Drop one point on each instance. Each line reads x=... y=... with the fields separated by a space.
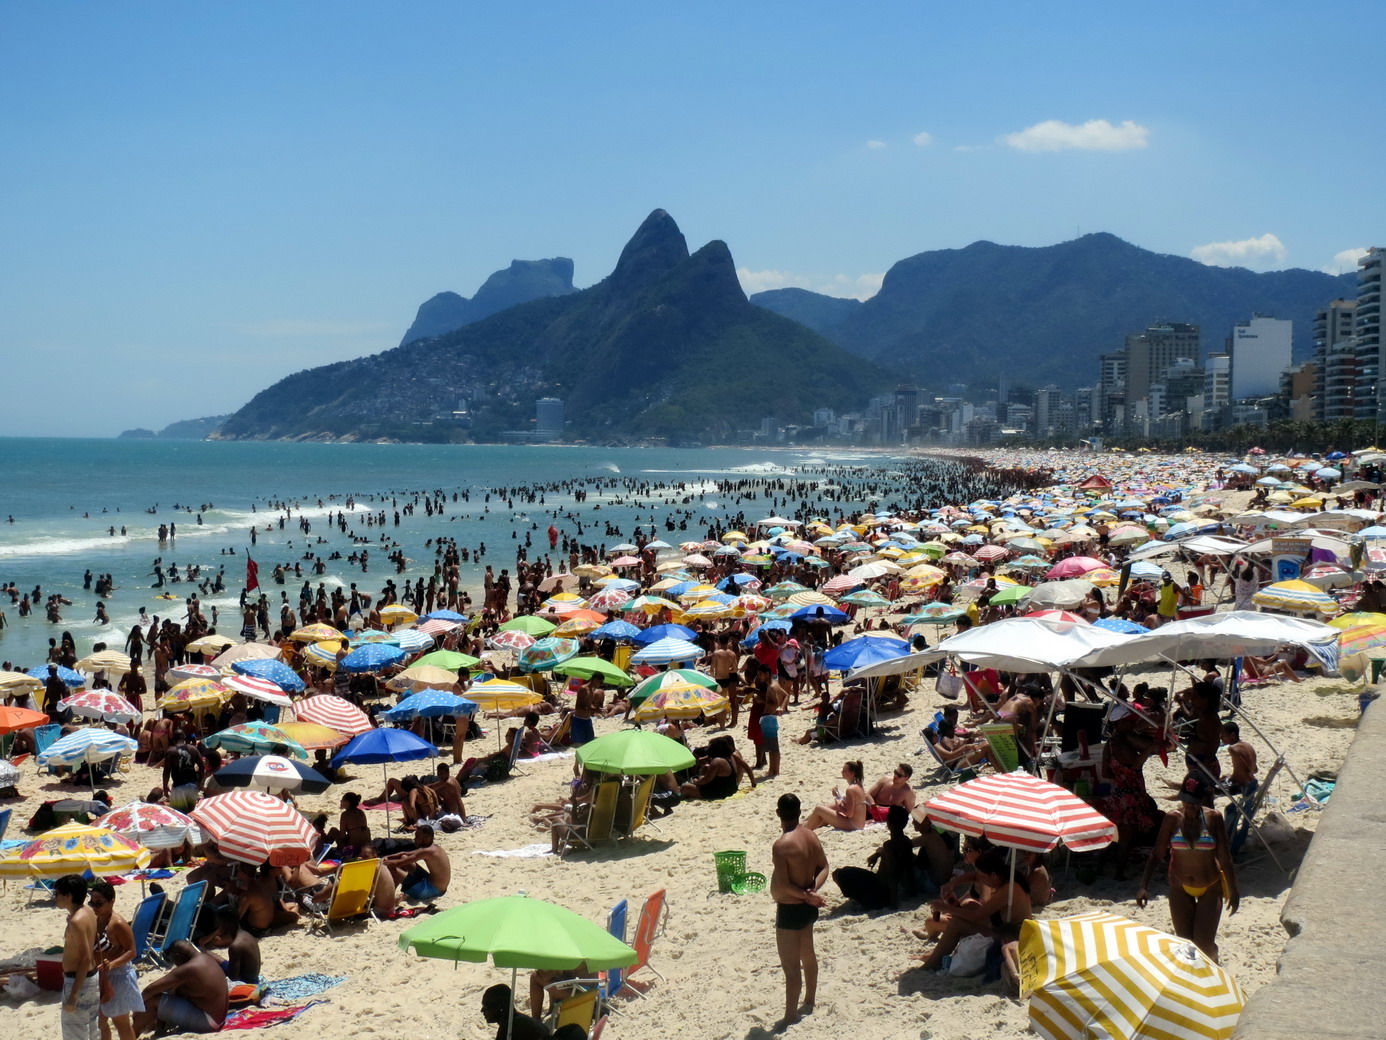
x=301 y=987
x=383 y=806
x=549 y=756
x=527 y=852
x=256 y=1018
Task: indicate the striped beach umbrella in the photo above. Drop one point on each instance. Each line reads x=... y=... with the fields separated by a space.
x=501 y=695
x=321 y=655
x=842 y=583
x=100 y=704
x=276 y=672
x=271 y=774
x=543 y=654
x=251 y=827
x=258 y=689
x=1100 y=975
x=670 y=650
x=992 y=553
x=413 y=641
x=1021 y=811
x=395 y=614
x=436 y=627
x=86 y=746
x=328 y=710
x=19 y=681
x=1370 y=639
x=180 y=672
x=1297 y=597
x=564 y=601
x=153 y=826
x=73 y=848
x=195 y=695
x=371 y=658
x=104 y=661
x=256 y=738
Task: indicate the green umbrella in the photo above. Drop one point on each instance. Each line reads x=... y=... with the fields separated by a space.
x=654 y=682
x=586 y=667
x=256 y=738
x=634 y=752
x=518 y=932
x=530 y=625
x=1010 y=594
x=449 y=659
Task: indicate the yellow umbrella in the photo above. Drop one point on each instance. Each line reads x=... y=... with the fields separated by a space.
x=501 y=695
x=575 y=628
x=73 y=848
x=1298 y=597
x=592 y=570
x=702 y=591
x=706 y=609
x=195 y=695
x=19 y=681
x=212 y=644
x=684 y=701
x=310 y=736
x=395 y=614
x=315 y=634
x=734 y=536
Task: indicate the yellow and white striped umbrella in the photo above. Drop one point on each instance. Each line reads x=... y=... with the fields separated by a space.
x=1298 y=597
x=1098 y=976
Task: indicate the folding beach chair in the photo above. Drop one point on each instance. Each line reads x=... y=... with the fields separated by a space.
x=1243 y=813
x=848 y=718
x=350 y=897
x=44 y=736
x=143 y=922
x=640 y=808
x=614 y=978
x=596 y=820
x=180 y=922
x=515 y=755
x=649 y=928
x=949 y=771
x=579 y=1006
x=1000 y=738
x=565 y=726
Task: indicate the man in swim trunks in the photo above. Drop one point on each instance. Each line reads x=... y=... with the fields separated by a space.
x=423 y=874
x=800 y=870
x=722 y=667
x=191 y=998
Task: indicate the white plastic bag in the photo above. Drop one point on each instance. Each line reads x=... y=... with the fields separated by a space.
x=970 y=956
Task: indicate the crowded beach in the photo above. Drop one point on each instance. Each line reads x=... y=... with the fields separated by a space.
x=832 y=767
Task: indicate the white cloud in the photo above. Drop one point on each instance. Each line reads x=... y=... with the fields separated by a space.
x=923 y=139
x=875 y=144
x=1346 y=260
x=858 y=287
x=1054 y=135
x=968 y=147
x=1264 y=252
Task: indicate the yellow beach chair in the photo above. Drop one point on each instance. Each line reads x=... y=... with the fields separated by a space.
x=351 y=895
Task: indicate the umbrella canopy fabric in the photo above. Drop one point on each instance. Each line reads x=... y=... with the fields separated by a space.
x=13 y=681
x=544 y=653
x=450 y=660
x=153 y=826
x=75 y=680
x=1100 y=975
x=179 y=672
x=312 y=736
x=1299 y=597
x=586 y=667
x=621 y=631
x=668 y=651
x=105 y=661
x=518 y=932
x=275 y=671
x=315 y=634
x=674 y=679
x=511 y=640
x=658 y=632
x=377 y=746
x=252 y=827
x=1021 y=811
x=501 y=695
x=248 y=652
x=210 y=644
x=13 y=718
x=258 y=689
x=101 y=704
x=86 y=745
x=423 y=675
x=529 y=625
x=73 y=848
x=194 y=695
x=256 y=738
x=1233 y=633
x=328 y=710
x=371 y=657
x=685 y=702
x=429 y=704
x=862 y=651
x=272 y=773
x=634 y=752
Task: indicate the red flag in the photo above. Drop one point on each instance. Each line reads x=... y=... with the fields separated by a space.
x=252 y=575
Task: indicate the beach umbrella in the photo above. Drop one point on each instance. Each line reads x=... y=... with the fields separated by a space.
x=258 y=689
x=271 y=774
x=1356 y=618
x=450 y=660
x=72 y=849
x=373 y=635
x=180 y=672
x=256 y=738
x=502 y=695
x=13 y=682
x=210 y=644
x=313 y=736
x=518 y=932
x=275 y=671
x=586 y=667
x=1100 y=975
x=328 y=710
x=750 y=603
x=1010 y=595
x=685 y=702
x=545 y=653
x=74 y=680
x=253 y=827
x=559 y=581
x=395 y=614
x=785 y=589
x=104 y=661
x=621 y=631
x=429 y=704
x=936 y=614
x=153 y=826
x=563 y=602
x=862 y=651
x=812 y=599
x=840 y=584
x=249 y=652
x=101 y=704
x=411 y=640
x=436 y=626
x=658 y=632
x=1021 y=811
x=529 y=625
x=1066 y=616
x=1058 y=594
x=820 y=612
x=194 y=695
x=1074 y=567
x=674 y=679
x=1369 y=639
x=86 y=746
x=514 y=640
x=384 y=746
x=650 y=605
x=13 y=717
x=371 y=658
x=1297 y=597
x=1121 y=626
x=315 y=634
x=668 y=651
x=418 y=676
x=575 y=628
x=634 y=752
x=446 y=615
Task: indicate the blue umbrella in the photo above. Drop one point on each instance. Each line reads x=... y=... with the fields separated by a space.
x=1121 y=625
x=862 y=651
x=276 y=672
x=371 y=657
x=739 y=578
x=445 y=615
x=384 y=746
x=773 y=625
x=820 y=612
x=618 y=630
x=650 y=635
x=67 y=675
x=429 y=704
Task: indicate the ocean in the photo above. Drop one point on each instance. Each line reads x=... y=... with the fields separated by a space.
x=65 y=496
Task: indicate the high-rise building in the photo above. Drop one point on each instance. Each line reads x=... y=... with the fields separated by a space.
x=906 y=410
x=1371 y=387
x=1335 y=359
x=548 y=419
x=1260 y=352
x=1150 y=353
x=1217 y=370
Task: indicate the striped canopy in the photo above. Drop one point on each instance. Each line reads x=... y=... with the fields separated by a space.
x=333 y=712
x=258 y=689
x=1297 y=597
x=86 y=745
x=668 y=651
x=252 y=827
x=1023 y=812
x=256 y=738
x=1100 y=975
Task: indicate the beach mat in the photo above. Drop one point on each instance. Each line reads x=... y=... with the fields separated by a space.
x=301 y=987
x=383 y=806
x=534 y=851
x=258 y=1018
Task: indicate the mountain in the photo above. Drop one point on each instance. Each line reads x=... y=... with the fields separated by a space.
x=1044 y=314
x=522 y=281
x=815 y=310
x=667 y=345
x=185 y=430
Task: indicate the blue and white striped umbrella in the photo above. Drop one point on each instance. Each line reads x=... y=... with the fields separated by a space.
x=67 y=675
x=86 y=745
x=668 y=651
x=411 y=640
x=429 y=704
x=276 y=672
x=371 y=657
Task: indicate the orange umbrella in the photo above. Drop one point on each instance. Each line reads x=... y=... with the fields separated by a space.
x=13 y=718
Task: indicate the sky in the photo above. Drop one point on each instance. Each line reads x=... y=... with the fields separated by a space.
x=199 y=199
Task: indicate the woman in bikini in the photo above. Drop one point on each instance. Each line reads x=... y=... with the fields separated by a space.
x=848 y=809
x=1201 y=874
x=1005 y=904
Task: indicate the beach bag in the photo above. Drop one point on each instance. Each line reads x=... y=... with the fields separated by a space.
x=970 y=956
x=949 y=684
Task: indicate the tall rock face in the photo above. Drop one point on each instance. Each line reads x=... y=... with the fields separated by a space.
x=1043 y=315
x=522 y=281
x=666 y=345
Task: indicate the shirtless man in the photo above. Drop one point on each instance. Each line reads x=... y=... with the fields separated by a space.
x=242 y=962
x=449 y=792
x=587 y=702
x=191 y=998
x=424 y=873
x=722 y=667
x=800 y=870
x=383 y=898
x=1243 y=755
x=81 y=990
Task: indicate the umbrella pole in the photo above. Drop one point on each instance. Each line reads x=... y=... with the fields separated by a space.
x=510 y=1015
x=385 y=776
x=1010 y=892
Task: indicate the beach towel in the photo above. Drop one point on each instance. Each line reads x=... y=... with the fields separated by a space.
x=383 y=806
x=549 y=756
x=301 y=987
x=256 y=1018
x=528 y=852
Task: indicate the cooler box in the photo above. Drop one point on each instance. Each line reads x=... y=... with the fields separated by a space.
x=49 y=971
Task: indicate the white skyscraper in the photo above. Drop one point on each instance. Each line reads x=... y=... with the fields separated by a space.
x=1260 y=352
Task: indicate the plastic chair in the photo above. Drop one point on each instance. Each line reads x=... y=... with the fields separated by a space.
x=142 y=924
x=181 y=921
x=649 y=928
x=596 y=824
x=579 y=1007
x=351 y=894
x=640 y=807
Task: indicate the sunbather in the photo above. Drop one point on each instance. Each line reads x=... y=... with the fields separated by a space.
x=847 y=811
x=242 y=962
x=999 y=914
x=191 y=998
x=423 y=873
x=353 y=830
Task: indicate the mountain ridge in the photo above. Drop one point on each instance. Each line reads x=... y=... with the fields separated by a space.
x=522 y=281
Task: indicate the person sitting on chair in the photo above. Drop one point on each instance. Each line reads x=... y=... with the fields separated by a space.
x=498 y=1008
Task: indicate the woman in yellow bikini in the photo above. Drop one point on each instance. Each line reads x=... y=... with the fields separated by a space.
x=1201 y=874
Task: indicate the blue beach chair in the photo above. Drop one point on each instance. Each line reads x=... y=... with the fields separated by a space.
x=180 y=922
x=142 y=924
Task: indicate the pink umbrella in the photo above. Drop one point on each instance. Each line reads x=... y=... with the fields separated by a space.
x=511 y=640
x=627 y=561
x=1059 y=615
x=992 y=552
x=437 y=626
x=1074 y=567
x=842 y=583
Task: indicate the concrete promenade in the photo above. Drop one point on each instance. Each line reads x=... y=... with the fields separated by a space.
x=1332 y=975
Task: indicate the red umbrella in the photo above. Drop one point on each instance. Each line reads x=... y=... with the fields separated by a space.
x=1021 y=811
x=1059 y=615
x=251 y=827
x=259 y=689
x=992 y=552
x=333 y=712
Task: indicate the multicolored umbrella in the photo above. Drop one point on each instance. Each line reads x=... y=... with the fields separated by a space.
x=72 y=849
x=271 y=774
x=101 y=704
x=251 y=827
x=153 y=826
x=1297 y=597
x=256 y=738
x=1369 y=639
x=328 y=710
x=513 y=639
x=673 y=680
x=501 y=695
x=1023 y=812
x=1100 y=975
x=545 y=653
x=195 y=695
x=686 y=702
x=315 y=634
x=575 y=628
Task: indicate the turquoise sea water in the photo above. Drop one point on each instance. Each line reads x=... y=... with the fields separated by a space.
x=65 y=495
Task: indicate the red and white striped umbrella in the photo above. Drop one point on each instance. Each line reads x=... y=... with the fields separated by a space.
x=251 y=827
x=101 y=704
x=988 y=553
x=437 y=626
x=179 y=672
x=333 y=712
x=259 y=689
x=1021 y=811
x=842 y=583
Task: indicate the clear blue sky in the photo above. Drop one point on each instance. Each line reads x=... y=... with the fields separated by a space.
x=197 y=199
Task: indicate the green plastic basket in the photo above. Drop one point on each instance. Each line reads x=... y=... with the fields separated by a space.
x=730 y=866
x=752 y=882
